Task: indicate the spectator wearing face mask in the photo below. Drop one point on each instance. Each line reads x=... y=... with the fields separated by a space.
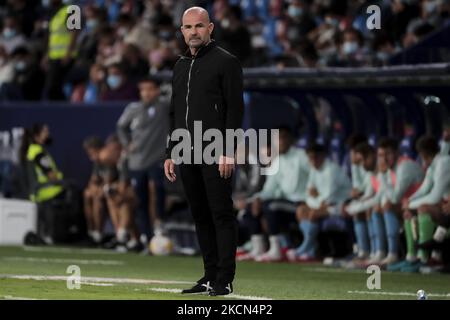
x=27 y=74
x=11 y=36
x=26 y=13
x=119 y=87
x=383 y=47
x=430 y=12
x=87 y=41
x=91 y=91
x=351 y=49
x=301 y=22
x=233 y=35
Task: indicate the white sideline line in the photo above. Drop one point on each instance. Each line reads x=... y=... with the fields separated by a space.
x=409 y=294
x=69 y=250
x=333 y=270
x=348 y=271
x=92 y=279
x=59 y=260
x=234 y=296
x=97 y=284
x=110 y=281
x=17 y=298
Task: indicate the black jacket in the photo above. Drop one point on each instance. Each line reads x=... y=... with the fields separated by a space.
x=209 y=88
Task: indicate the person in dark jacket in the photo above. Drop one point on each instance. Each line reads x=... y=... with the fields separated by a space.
x=120 y=88
x=207 y=87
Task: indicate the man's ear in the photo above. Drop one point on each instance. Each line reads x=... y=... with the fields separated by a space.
x=211 y=27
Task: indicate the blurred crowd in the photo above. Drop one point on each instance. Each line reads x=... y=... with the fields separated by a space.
x=123 y=40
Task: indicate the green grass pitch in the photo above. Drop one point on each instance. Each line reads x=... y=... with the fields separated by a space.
x=39 y=273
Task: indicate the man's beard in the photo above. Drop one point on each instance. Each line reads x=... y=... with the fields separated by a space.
x=197 y=44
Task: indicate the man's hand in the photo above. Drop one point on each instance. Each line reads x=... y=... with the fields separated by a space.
x=169 y=170
x=317 y=214
x=256 y=207
x=407 y=214
x=226 y=166
x=131 y=147
x=387 y=206
x=313 y=192
x=355 y=193
x=345 y=212
x=446 y=206
x=446 y=135
x=405 y=204
x=240 y=203
x=323 y=206
x=66 y=59
x=377 y=208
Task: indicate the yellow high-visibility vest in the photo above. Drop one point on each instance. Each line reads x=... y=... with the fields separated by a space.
x=47 y=191
x=59 y=35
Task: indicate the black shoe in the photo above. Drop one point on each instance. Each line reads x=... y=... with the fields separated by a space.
x=138 y=247
x=111 y=244
x=431 y=245
x=202 y=286
x=221 y=289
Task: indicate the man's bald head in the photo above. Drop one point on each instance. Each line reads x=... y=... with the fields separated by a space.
x=196 y=27
x=197 y=12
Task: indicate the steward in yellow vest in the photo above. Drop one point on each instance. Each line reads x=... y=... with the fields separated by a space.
x=46 y=177
x=61 y=51
x=60 y=42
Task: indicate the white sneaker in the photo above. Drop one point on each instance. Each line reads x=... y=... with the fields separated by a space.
x=291 y=255
x=362 y=255
x=48 y=240
x=257 y=248
x=390 y=259
x=411 y=258
x=377 y=258
x=269 y=256
x=436 y=255
x=274 y=253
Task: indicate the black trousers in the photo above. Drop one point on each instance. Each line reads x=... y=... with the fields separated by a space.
x=54 y=81
x=209 y=198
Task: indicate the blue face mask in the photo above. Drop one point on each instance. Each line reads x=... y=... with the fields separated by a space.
x=165 y=35
x=8 y=33
x=382 y=56
x=430 y=6
x=91 y=24
x=20 y=66
x=114 y=81
x=332 y=22
x=350 y=47
x=294 y=11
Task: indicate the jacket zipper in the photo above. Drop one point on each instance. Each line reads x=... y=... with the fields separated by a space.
x=187 y=94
